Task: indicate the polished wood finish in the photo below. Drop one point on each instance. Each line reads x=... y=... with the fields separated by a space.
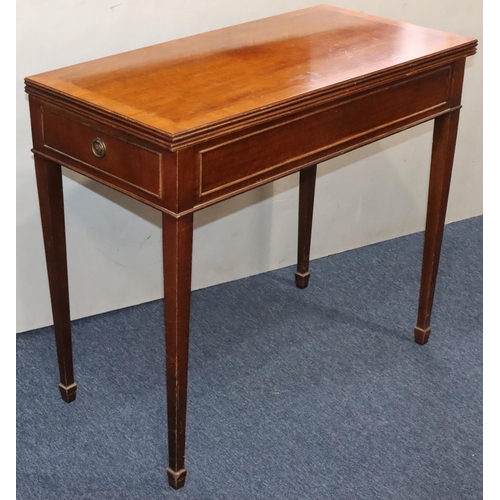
x=307 y=184
x=177 y=250
x=224 y=96
x=122 y=160
x=325 y=131
x=443 y=148
x=205 y=84
x=50 y=196
x=187 y=123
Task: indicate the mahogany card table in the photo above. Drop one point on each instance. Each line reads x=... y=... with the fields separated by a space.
x=187 y=123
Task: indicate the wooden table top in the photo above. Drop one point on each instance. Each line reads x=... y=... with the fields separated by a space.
x=191 y=85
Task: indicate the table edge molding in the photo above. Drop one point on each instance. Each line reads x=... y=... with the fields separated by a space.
x=180 y=140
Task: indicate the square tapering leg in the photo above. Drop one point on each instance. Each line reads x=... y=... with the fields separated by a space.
x=443 y=149
x=307 y=184
x=50 y=195
x=177 y=262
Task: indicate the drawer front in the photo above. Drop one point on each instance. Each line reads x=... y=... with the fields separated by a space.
x=103 y=153
x=244 y=161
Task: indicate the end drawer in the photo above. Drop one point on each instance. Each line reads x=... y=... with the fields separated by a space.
x=113 y=156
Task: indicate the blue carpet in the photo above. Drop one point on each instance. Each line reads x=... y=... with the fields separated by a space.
x=293 y=394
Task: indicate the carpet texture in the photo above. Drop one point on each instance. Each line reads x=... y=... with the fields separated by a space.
x=293 y=394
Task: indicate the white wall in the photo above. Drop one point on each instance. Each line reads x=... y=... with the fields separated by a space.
x=114 y=243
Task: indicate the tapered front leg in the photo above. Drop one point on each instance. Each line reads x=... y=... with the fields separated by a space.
x=177 y=259
x=443 y=149
x=50 y=195
x=306 y=205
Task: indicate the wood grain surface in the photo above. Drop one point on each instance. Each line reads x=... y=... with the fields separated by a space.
x=193 y=83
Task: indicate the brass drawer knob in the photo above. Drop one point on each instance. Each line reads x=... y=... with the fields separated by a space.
x=98 y=147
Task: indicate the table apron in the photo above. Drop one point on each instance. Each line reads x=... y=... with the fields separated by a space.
x=239 y=163
x=180 y=182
